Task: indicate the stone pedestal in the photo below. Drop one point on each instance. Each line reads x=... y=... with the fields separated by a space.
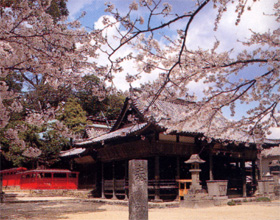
x=266 y=187
x=138 y=190
x=195 y=186
x=220 y=200
x=198 y=200
x=217 y=188
x=276 y=179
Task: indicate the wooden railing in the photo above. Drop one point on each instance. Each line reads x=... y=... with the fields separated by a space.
x=121 y=185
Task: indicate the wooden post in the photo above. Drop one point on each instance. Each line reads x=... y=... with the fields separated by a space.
x=157 y=179
x=261 y=167
x=114 y=182
x=242 y=165
x=102 y=181
x=1 y=188
x=178 y=167
x=178 y=175
x=125 y=178
x=254 y=181
x=138 y=190
x=211 y=166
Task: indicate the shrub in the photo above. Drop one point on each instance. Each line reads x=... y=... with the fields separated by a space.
x=231 y=203
x=263 y=199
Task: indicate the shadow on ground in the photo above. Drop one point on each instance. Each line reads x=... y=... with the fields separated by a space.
x=45 y=210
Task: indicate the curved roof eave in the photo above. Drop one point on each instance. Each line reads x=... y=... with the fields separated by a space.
x=120 y=133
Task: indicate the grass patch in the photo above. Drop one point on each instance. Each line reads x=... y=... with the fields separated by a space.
x=231 y=203
x=263 y=199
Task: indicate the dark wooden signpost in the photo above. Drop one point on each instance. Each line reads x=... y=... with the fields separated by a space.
x=138 y=190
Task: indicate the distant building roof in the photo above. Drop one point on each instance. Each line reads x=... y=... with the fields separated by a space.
x=273 y=151
x=272 y=141
x=95 y=130
x=72 y=152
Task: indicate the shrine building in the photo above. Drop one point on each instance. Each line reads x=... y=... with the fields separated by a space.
x=164 y=137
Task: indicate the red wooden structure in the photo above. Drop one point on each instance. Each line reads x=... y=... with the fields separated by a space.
x=40 y=179
x=49 y=179
x=11 y=177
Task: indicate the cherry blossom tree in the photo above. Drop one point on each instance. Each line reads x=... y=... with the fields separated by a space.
x=45 y=50
x=42 y=48
x=231 y=78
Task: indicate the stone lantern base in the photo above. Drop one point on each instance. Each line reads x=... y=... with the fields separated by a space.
x=197 y=200
x=203 y=200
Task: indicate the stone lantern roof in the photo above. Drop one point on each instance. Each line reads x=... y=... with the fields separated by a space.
x=195 y=159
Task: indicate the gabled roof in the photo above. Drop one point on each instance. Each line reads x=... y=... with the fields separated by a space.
x=128 y=108
x=181 y=116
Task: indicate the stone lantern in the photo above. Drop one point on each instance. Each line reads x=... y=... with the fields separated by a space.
x=197 y=197
x=195 y=160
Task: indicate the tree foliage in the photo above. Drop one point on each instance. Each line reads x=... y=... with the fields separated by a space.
x=73 y=116
x=110 y=106
x=38 y=55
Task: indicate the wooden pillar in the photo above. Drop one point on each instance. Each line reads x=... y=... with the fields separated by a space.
x=114 y=181
x=178 y=175
x=178 y=167
x=157 y=179
x=243 y=172
x=71 y=164
x=261 y=167
x=211 y=165
x=125 y=178
x=102 y=181
x=254 y=180
x=1 y=188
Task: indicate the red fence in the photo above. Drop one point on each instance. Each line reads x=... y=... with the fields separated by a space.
x=41 y=179
x=11 y=177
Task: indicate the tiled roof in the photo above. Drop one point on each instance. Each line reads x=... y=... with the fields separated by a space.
x=123 y=132
x=184 y=117
x=272 y=141
x=95 y=130
x=71 y=152
x=273 y=151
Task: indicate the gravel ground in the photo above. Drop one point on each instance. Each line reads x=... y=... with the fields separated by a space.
x=87 y=210
x=49 y=210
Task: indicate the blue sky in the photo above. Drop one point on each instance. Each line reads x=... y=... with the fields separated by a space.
x=201 y=31
x=202 y=34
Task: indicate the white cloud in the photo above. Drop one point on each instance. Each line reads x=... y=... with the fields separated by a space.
x=75 y=7
x=129 y=66
x=275 y=133
x=258 y=19
x=202 y=34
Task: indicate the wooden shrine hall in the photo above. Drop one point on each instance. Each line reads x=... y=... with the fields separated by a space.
x=166 y=141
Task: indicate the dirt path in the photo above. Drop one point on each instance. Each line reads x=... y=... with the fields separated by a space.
x=81 y=210
x=240 y=212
